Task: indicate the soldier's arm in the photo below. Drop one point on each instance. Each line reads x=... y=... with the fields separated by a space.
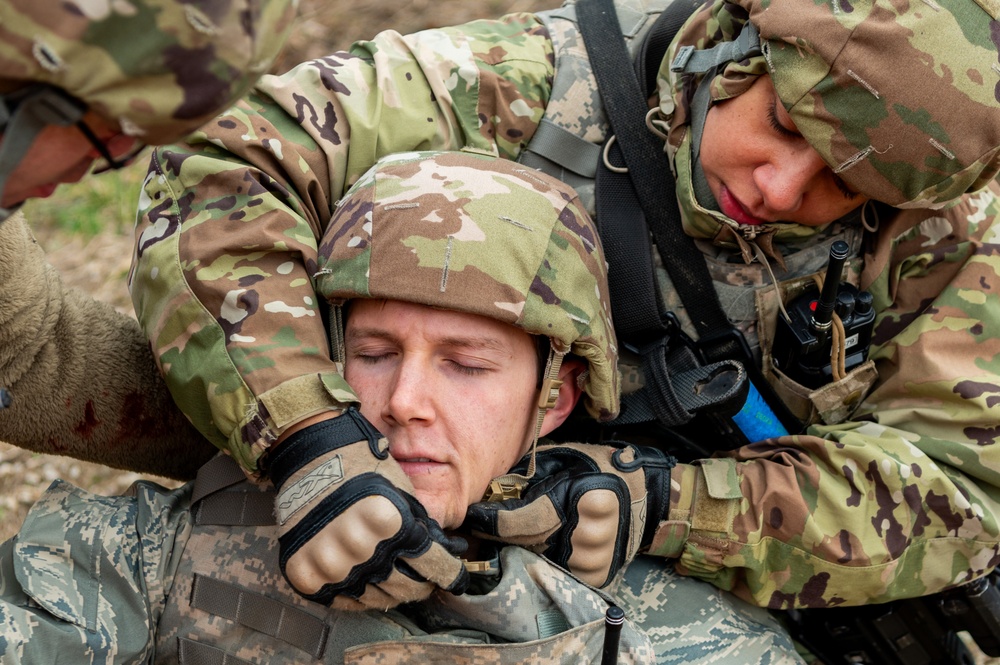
x=81 y=374
x=901 y=502
x=229 y=223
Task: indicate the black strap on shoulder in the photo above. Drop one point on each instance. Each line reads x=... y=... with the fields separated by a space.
x=621 y=218
x=633 y=203
x=649 y=176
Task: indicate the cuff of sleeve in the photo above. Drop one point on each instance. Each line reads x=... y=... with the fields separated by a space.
x=704 y=499
x=669 y=539
x=284 y=405
x=672 y=533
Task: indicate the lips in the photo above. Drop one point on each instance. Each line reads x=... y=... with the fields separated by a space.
x=732 y=208
x=414 y=465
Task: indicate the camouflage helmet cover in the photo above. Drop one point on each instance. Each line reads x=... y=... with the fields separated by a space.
x=474 y=233
x=158 y=69
x=900 y=99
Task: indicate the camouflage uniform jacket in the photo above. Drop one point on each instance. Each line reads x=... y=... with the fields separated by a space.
x=191 y=576
x=898 y=500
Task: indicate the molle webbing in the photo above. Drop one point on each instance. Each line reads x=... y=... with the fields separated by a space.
x=222 y=496
x=190 y=652
x=236 y=508
x=562 y=154
x=260 y=613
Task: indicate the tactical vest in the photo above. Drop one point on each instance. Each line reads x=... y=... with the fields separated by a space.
x=567 y=145
x=230 y=605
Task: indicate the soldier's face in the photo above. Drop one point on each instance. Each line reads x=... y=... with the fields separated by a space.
x=760 y=169
x=60 y=155
x=453 y=392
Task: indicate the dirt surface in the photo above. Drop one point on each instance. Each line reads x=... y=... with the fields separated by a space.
x=99 y=265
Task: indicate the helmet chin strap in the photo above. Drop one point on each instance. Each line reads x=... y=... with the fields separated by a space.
x=708 y=62
x=23 y=116
x=510 y=486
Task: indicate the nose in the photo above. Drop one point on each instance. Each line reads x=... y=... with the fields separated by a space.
x=784 y=180
x=410 y=400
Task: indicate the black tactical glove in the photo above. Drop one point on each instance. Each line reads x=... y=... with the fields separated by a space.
x=588 y=508
x=351 y=533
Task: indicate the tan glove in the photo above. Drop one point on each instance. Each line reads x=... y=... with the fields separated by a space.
x=352 y=534
x=588 y=508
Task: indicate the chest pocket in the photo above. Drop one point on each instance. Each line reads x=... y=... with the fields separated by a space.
x=836 y=400
x=751 y=302
x=829 y=404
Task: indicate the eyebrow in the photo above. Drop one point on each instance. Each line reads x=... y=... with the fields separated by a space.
x=463 y=342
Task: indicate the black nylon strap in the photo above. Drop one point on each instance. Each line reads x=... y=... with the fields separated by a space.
x=649 y=175
x=643 y=200
x=215 y=475
x=315 y=440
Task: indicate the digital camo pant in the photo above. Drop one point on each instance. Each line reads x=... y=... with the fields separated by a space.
x=690 y=621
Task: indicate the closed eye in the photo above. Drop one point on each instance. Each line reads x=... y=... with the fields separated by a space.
x=844 y=189
x=469 y=370
x=370 y=357
x=772 y=116
x=775 y=122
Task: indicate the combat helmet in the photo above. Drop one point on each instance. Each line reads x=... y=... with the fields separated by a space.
x=474 y=233
x=899 y=99
x=155 y=69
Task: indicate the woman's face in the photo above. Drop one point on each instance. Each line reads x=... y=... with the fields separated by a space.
x=760 y=169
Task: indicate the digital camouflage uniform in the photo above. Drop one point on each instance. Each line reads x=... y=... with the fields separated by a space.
x=896 y=500
x=148 y=578
x=81 y=375
x=192 y=575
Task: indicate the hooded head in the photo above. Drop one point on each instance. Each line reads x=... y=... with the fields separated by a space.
x=473 y=233
x=899 y=100
x=154 y=70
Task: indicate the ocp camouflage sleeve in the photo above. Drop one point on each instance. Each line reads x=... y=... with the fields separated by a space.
x=903 y=500
x=229 y=223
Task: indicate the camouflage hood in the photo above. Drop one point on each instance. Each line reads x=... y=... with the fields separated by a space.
x=473 y=233
x=900 y=100
x=158 y=69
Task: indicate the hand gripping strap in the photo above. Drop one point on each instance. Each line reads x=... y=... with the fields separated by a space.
x=316 y=440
